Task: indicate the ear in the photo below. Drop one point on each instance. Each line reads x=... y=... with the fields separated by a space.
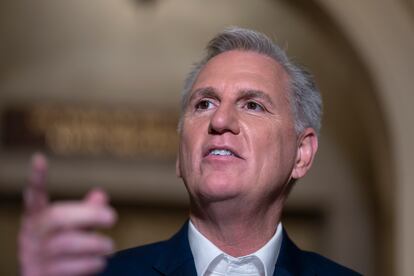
x=306 y=151
x=177 y=166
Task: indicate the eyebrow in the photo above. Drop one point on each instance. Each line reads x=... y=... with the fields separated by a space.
x=208 y=92
x=256 y=94
x=245 y=93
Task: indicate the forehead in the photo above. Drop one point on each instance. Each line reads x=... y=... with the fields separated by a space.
x=243 y=70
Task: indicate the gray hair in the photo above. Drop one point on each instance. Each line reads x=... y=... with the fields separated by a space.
x=304 y=96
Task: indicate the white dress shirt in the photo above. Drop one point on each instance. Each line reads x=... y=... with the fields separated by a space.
x=210 y=260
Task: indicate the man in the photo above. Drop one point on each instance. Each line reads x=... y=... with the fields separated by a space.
x=248 y=130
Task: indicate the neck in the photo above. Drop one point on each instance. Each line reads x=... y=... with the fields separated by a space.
x=236 y=231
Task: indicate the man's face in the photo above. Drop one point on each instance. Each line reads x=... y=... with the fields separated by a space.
x=237 y=137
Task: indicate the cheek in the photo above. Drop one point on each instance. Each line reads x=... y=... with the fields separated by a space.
x=274 y=148
x=270 y=153
x=189 y=147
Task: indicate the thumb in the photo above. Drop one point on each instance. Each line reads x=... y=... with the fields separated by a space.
x=35 y=194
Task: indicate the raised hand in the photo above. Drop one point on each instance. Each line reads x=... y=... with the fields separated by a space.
x=58 y=238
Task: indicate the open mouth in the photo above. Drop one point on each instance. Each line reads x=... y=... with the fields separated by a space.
x=221 y=152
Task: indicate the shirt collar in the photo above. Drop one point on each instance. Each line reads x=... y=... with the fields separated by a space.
x=204 y=251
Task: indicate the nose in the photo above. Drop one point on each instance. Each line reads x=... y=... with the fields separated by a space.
x=224 y=119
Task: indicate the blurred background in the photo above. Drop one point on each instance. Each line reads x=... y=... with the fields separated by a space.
x=96 y=86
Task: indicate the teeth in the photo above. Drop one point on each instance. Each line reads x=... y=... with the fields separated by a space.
x=221 y=152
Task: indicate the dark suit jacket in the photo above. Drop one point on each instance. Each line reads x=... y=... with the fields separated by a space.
x=173 y=257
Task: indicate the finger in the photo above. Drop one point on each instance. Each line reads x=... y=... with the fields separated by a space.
x=97 y=196
x=77 y=243
x=75 y=215
x=72 y=266
x=35 y=194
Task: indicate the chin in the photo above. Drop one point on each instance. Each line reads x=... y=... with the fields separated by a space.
x=218 y=190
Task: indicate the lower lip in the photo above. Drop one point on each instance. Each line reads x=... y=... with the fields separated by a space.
x=212 y=157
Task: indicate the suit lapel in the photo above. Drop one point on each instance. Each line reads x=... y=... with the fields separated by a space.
x=289 y=260
x=176 y=258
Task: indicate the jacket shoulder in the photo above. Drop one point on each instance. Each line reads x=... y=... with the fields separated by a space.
x=169 y=257
x=294 y=261
x=324 y=266
x=134 y=261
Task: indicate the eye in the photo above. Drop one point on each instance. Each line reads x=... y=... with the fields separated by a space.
x=204 y=105
x=254 y=106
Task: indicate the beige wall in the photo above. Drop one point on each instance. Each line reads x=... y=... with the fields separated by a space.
x=382 y=32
